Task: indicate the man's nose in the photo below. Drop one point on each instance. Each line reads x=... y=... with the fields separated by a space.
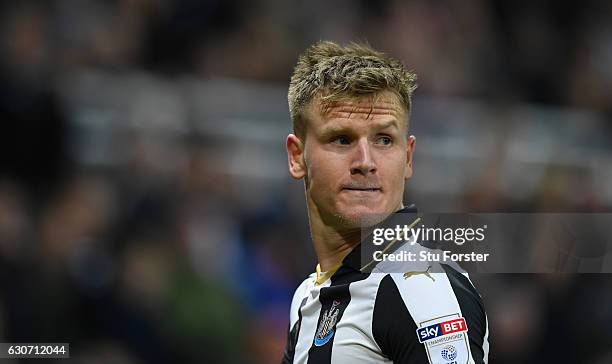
x=363 y=161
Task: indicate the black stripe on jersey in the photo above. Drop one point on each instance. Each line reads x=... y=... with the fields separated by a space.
x=292 y=337
x=337 y=291
x=393 y=327
x=322 y=354
x=346 y=275
x=472 y=310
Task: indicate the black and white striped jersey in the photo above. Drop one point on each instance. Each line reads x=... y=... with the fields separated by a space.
x=357 y=317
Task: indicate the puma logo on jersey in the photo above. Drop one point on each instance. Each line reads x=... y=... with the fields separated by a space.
x=425 y=272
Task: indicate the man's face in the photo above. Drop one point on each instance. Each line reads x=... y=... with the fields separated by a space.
x=356 y=157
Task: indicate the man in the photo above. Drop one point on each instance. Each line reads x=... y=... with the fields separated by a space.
x=350 y=109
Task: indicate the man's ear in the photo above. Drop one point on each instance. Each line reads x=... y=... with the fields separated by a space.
x=409 y=153
x=295 y=156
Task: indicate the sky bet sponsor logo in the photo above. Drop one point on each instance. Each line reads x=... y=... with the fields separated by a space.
x=443 y=328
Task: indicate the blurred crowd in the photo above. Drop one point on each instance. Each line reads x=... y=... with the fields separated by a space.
x=146 y=215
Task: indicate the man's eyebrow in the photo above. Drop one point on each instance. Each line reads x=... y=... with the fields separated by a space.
x=332 y=130
x=336 y=129
x=389 y=123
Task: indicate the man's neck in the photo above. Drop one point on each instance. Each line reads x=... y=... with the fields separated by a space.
x=332 y=246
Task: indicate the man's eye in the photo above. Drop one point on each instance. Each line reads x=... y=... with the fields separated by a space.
x=342 y=140
x=385 y=140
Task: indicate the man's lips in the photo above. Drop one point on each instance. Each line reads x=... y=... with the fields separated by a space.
x=362 y=189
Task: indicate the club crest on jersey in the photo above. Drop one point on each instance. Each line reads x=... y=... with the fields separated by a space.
x=445 y=337
x=327 y=324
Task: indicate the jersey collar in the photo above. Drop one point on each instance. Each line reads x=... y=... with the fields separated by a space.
x=406 y=215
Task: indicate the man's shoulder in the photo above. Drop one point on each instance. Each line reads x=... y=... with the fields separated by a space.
x=298 y=297
x=430 y=308
x=426 y=292
x=310 y=279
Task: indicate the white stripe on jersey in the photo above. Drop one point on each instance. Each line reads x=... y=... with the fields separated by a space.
x=485 y=344
x=298 y=296
x=354 y=341
x=428 y=298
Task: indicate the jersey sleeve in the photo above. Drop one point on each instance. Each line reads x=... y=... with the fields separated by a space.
x=405 y=305
x=295 y=318
x=473 y=311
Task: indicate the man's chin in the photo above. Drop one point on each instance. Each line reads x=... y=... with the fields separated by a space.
x=361 y=216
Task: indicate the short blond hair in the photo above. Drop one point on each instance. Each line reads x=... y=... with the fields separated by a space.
x=333 y=72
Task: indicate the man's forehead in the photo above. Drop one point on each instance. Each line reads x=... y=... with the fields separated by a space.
x=385 y=103
x=383 y=106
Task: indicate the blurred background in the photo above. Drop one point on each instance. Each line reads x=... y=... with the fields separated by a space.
x=146 y=214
